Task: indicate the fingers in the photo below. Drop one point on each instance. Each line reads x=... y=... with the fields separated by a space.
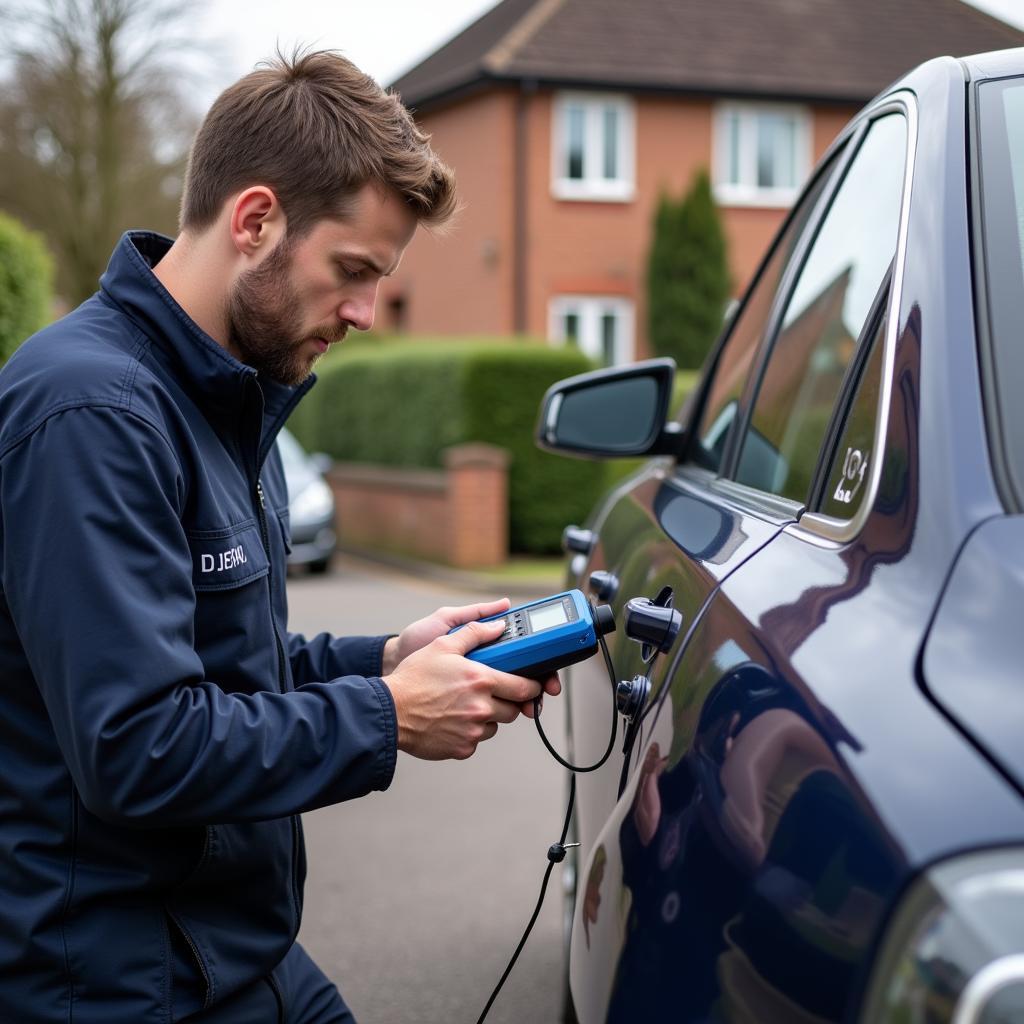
x=527 y=708
x=553 y=685
x=474 y=634
x=471 y=612
x=505 y=711
x=447 y=704
x=514 y=688
x=481 y=611
x=467 y=748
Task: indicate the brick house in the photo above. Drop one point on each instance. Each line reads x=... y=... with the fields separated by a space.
x=564 y=119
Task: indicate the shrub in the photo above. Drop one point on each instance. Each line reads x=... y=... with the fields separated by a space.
x=402 y=403
x=26 y=276
x=687 y=276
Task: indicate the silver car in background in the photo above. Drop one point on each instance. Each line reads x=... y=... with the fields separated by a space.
x=310 y=506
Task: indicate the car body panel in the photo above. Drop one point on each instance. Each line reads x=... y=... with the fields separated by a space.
x=718 y=538
x=981 y=608
x=794 y=771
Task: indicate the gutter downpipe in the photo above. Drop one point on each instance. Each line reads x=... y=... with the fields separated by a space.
x=527 y=89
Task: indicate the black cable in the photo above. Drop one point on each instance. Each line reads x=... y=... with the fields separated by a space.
x=628 y=743
x=634 y=739
x=556 y=852
x=615 y=723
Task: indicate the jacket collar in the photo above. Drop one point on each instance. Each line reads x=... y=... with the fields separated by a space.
x=213 y=377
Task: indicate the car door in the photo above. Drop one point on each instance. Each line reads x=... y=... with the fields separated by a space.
x=739 y=860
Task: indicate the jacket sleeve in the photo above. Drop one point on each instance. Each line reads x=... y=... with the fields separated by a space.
x=97 y=574
x=327 y=657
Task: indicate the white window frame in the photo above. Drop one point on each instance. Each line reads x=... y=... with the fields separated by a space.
x=593 y=186
x=589 y=309
x=747 y=192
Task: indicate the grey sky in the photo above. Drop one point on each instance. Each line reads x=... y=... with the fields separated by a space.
x=384 y=38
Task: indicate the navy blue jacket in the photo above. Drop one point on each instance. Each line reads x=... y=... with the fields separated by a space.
x=160 y=730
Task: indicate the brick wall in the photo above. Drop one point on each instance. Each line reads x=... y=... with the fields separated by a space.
x=461 y=281
x=457 y=515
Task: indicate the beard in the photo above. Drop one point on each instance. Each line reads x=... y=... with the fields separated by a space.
x=263 y=310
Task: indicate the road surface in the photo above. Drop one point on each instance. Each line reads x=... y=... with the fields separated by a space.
x=416 y=897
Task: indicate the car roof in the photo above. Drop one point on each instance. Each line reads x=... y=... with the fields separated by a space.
x=998 y=64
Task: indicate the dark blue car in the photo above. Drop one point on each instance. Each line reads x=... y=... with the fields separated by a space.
x=818 y=815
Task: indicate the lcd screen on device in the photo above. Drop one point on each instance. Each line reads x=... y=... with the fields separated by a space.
x=547 y=616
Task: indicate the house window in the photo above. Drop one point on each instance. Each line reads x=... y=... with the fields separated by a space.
x=600 y=327
x=762 y=153
x=592 y=147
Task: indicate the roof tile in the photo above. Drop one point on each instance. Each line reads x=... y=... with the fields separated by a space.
x=809 y=49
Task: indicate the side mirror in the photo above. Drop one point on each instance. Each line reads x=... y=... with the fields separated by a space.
x=612 y=413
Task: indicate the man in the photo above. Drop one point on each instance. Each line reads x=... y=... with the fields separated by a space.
x=160 y=729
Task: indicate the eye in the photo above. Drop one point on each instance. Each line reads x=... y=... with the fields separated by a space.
x=348 y=271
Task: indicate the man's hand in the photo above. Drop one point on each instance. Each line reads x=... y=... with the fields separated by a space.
x=551 y=685
x=446 y=704
x=421 y=632
x=418 y=634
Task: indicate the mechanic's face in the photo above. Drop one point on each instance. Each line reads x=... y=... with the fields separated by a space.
x=284 y=313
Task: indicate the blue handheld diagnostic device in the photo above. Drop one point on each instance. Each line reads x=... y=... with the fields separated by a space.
x=544 y=636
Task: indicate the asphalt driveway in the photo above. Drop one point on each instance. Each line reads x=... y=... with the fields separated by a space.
x=416 y=897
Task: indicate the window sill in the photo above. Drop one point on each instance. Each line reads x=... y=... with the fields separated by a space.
x=767 y=198
x=605 y=192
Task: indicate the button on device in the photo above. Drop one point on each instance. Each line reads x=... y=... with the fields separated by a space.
x=546 y=635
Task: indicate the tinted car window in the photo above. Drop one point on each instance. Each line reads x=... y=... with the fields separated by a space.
x=825 y=316
x=850 y=462
x=746 y=334
x=1002 y=203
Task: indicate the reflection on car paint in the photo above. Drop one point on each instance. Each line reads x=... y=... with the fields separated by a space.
x=796 y=771
x=704 y=531
x=710 y=836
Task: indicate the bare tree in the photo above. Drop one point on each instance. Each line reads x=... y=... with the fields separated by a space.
x=94 y=124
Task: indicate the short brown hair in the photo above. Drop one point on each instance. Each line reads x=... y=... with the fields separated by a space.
x=315 y=129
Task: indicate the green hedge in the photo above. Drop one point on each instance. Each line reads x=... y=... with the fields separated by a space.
x=26 y=281
x=402 y=403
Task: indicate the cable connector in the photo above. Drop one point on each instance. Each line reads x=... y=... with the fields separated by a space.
x=557 y=851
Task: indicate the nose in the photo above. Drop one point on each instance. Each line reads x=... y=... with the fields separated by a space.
x=358 y=309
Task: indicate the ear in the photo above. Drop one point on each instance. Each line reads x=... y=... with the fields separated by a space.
x=257 y=221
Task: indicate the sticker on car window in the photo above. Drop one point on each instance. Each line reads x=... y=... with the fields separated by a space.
x=855 y=467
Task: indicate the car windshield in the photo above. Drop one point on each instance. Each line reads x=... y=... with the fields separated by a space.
x=1001 y=131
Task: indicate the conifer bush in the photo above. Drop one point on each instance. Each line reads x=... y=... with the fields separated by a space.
x=687 y=276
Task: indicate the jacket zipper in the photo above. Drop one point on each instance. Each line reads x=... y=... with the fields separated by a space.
x=265 y=534
x=275 y=988
x=184 y=933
